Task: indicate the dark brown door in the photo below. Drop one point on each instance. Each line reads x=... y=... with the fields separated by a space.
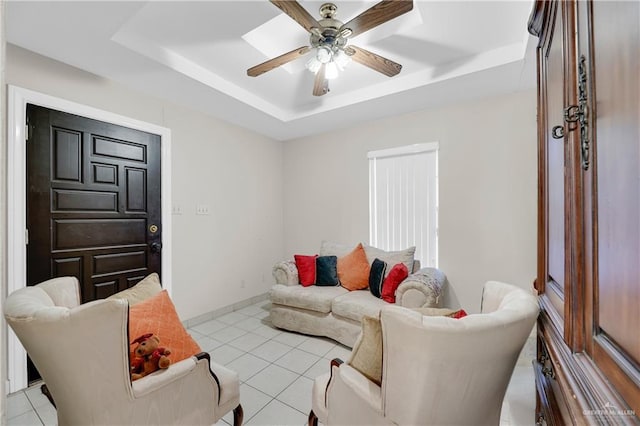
x=93 y=203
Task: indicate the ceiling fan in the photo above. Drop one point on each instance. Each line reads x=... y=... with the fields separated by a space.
x=330 y=39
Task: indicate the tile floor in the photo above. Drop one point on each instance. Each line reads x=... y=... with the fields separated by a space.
x=276 y=370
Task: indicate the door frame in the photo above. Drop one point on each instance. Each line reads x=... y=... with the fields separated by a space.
x=17 y=100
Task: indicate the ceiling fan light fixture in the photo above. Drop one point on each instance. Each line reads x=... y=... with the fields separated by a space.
x=313 y=64
x=341 y=59
x=331 y=71
x=324 y=55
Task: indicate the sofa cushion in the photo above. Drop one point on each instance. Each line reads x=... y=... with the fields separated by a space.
x=355 y=304
x=313 y=298
x=397 y=274
x=405 y=256
x=306 y=269
x=376 y=277
x=353 y=269
x=327 y=271
x=329 y=248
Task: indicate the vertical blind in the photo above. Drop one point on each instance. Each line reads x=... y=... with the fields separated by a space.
x=403 y=200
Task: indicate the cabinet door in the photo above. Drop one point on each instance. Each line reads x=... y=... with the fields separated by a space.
x=614 y=194
x=555 y=63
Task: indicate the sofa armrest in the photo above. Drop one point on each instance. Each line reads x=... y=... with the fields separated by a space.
x=422 y=289
x=285 y=272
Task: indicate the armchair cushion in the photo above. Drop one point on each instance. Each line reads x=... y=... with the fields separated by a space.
x=148 y=287
x=366 y=356
x=157 y=315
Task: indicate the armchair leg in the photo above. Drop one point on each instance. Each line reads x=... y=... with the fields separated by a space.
x=313 y=419
x=45 y=391
x=238 y=414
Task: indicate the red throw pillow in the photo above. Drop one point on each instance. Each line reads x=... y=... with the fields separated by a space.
x=306 y=269
x=458 y=314
x=397 y=274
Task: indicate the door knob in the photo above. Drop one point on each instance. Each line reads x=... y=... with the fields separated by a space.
x=155 y=247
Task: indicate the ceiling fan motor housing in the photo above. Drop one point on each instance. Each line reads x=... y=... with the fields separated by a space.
x=329 y=35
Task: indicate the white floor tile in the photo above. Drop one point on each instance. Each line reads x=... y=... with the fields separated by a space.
x=291 y=339
x=298 y=394
x=30 y=418
x=277 y=413
x=47 y=414
x=249 y=324
x=225 y=354
x=318 y=369
x=339 y=351
x=271 y=350
x=206 y=343
x=252 y=401
x=297 y=361
x=36 y=397
x=272 y=380
x=262 y=315
x=267 y=331
x=209 y=327
x=317 y=346
x=228 y=334
x=248 y=342
x=251 y=310
x=231 y=318
x=18 y=404
x=247 y=366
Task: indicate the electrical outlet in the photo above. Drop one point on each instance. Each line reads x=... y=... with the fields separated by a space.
x=202 y=209
x=177 y=209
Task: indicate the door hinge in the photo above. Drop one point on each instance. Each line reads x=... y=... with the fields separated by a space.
x=27 y=132
x=26 y=237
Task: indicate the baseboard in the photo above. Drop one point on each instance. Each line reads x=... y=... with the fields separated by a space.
x=224 y=310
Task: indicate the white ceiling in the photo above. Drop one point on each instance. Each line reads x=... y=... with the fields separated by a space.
x=197 y=54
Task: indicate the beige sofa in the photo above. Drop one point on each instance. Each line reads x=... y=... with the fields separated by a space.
x=336 y=312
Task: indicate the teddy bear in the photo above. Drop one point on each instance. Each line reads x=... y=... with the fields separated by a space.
x=148 y=356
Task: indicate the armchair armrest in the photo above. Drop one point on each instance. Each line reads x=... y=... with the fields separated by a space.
x=285 y=272
x=353 y=399
x=161 y=378
x=422 y=289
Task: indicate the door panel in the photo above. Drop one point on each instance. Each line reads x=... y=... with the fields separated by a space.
x=94 y=194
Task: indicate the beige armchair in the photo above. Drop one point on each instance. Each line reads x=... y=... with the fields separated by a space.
x=435 y=370
x=82 y=353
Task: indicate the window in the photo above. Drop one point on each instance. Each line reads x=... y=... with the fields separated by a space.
x=403 y=200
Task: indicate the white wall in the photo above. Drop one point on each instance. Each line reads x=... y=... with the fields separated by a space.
x=487 y=184
x=3 y=226
x=219 y=259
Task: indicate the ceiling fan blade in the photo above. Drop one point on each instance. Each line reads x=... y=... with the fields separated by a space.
x=378 y=14
x=297 y=13
x=374 y=61
x=321 y=84
x=277 y=61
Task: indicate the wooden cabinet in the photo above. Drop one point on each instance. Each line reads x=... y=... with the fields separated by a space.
x=588 y=355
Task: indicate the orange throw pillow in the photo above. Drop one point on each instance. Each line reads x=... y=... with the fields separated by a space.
x=157 y=315
x=353 y=269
